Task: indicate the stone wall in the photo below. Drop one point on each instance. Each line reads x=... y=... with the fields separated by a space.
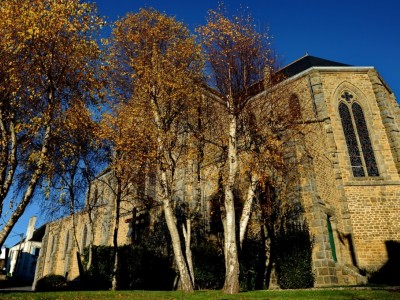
x=362 y=212
x=62 y=240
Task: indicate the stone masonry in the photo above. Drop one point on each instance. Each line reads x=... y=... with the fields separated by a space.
x=352 y=218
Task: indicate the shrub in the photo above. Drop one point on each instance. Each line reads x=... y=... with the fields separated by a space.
x=252 y=264
x=293 y=258
x=209 y=268
x=52 y=283
x=99 y=275
x=139 y=268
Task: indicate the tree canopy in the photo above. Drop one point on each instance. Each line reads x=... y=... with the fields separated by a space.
x=49 y=63
x=157 y=117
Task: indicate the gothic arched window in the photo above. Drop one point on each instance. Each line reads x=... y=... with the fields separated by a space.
x=362 y=157
x=84 y=237
x=66 y=244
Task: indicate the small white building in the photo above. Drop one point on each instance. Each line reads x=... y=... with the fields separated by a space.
x=22 y=257
x=3 y=260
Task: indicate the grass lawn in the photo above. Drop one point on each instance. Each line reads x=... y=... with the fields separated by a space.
x=345 y=294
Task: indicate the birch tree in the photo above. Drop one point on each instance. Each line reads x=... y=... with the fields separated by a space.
x=130 y=146
x=261 y=120
x=48 y=61
x=68 y=178
x=68 y=184
x=237 y=56
x=160 y=58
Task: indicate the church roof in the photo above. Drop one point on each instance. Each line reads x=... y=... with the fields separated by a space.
x=303 y=63
x=306 y=62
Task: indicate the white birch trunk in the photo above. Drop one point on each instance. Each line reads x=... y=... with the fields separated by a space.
x=8 y=159
x=5 y=231
x=91 y=222
x=231 y=284
x=118 y=198
x=37 y=173
x=187 y=233
x=246 y=213
x=186 y=282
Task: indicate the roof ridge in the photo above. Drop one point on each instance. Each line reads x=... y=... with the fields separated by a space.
x=300 y=58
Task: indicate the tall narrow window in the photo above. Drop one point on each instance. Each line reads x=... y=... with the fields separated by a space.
x=362 y=158
x=54 y=245
x=365 y=142
x=67 y=244
x=84 y=236
x=49 y=247
x=52 y=257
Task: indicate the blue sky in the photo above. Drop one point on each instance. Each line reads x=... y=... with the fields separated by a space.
x=355 y=32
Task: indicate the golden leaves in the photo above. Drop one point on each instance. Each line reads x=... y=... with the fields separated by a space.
x=237 y=55
x=157 y=47
x=49 y=72
x=127 y=130
x=158 y=63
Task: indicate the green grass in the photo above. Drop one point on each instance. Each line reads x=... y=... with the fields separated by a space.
x=345 y=294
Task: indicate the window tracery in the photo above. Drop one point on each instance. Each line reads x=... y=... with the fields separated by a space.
x=361 y=154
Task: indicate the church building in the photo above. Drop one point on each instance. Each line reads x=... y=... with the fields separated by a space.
x=349 y=179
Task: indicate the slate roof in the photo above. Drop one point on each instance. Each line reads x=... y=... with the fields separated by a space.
x=307 y=62
x=292 y=69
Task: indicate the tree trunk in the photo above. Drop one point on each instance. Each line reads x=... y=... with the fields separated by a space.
x=91 y=222
x=246 y=213
x=81 y=269
x=114 y=282
x=186 y=282
x=187 y=232
x=5 y=231
x=79 y=254
x=8 y=161
x=231 y=285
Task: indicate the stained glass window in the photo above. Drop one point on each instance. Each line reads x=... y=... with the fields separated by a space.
x=362 y=158
x=351 y=141
x=366 y=147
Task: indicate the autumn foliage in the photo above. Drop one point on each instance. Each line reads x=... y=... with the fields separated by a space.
x=48 y=63
x=157 y=61
x=151 y=97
